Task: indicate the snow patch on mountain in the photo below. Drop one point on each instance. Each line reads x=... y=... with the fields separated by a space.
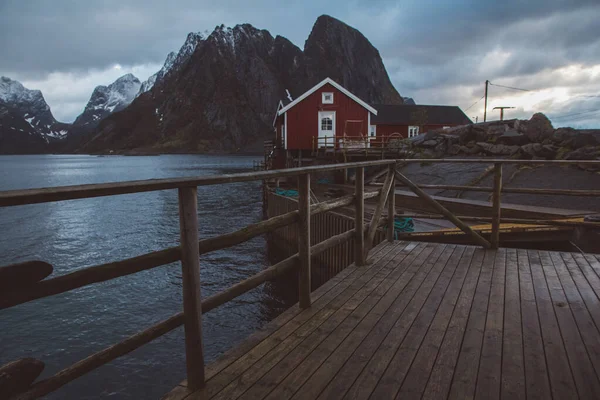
x=108 y=99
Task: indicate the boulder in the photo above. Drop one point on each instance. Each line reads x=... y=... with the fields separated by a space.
x=584 y=153
x=471 y=133
x=454 y=149
x=17 y=376
x=538 y=128
x=498 y=149
x=432 y=135
x=531 y=149
x=512 y=138
x=430 y=143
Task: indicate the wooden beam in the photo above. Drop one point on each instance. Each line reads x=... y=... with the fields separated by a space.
x=192 y=299
x=87 y=276
x=391 y=212
x=387 y=185
x=496 y=209
x=359 y=216
x=108 y=271
x=139 y=339
x=561 y=192
x=44 y=195
x=304 y=240
x=525 y=221
x=442 y=210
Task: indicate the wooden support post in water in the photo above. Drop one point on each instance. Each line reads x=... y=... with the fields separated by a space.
x=496 y=211
x=391 y=204
x=192 y=301
x=304 y=240
x=444 y=211
x=359 y=217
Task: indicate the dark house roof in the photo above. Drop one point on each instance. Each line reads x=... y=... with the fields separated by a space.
x=403 y=114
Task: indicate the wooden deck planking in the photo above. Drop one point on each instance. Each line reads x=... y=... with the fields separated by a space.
x=431 y=321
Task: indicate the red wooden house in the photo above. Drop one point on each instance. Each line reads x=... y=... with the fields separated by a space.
x=328 y=116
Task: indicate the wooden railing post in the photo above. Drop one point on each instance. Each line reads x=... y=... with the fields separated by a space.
x=192 y=301
x=359 y=217
x=495 y=239
x=304 y=240
x=391 y=204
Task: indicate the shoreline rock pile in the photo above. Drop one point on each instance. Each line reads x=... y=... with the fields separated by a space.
x=519 y=139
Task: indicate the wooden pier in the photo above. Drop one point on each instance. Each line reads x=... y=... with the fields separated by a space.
x=405 y=320
x=430 y=321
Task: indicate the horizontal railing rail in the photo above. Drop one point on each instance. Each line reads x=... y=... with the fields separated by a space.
x=188 y=253
x=191 y=247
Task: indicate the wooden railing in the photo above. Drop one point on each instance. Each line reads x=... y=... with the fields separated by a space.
x=191 y=247
x=188 y=253
x=496 y=192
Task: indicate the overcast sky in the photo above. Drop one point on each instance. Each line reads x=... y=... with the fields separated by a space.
x=436 y=52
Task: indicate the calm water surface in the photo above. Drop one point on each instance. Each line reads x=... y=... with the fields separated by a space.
x=73 y=234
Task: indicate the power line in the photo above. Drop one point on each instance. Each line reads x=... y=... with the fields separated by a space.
x=471 y=106
x=510 y=87
x=575 y=114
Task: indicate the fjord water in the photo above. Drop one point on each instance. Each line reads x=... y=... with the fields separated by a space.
x=70 y=235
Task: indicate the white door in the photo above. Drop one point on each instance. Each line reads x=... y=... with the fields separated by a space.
x=326 y=128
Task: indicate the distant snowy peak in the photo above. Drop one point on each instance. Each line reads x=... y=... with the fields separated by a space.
x=108 y=99
x=31 y=106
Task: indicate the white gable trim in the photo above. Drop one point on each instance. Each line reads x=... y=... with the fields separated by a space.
x=320 y=85
x=279 y=107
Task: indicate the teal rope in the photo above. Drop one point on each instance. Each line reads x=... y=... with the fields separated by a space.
x=286 y=193
x=403 y=225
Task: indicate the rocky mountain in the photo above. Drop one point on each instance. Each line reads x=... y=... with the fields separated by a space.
x=108 y=99
x=222 y=93
x=29 y=105
x=409 y=101
x=174 y=61
x=18 y=136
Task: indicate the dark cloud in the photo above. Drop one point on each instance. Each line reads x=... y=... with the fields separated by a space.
x=439 y=52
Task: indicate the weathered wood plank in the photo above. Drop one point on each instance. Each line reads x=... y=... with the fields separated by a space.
x=534 y=353
x=316 y=314
x=490 y=363
x=32 y=196
x=343 y=320
x=317 y=296
x=422 y=365
x=367 y=366
x=385 y=190
x=337 y=350
x=304 y=241
x=359 y=215
x=496 y=210
x=192 y=299
x=391 y=201
x=440 y=380
x=405 y=345
x=513 y=369
x=581 y=335
x=559 y=371
x=465 y=373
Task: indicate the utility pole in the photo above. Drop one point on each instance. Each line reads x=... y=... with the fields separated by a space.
x=501 y=112
x=485 y=103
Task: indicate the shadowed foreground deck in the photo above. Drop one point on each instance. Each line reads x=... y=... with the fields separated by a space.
x=434 y=321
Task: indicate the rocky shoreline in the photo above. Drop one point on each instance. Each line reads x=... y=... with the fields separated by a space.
x=519 y=139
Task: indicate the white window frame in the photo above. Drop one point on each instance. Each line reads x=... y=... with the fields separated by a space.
x=413 y=131
x=324 y=98
x=373 y=131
